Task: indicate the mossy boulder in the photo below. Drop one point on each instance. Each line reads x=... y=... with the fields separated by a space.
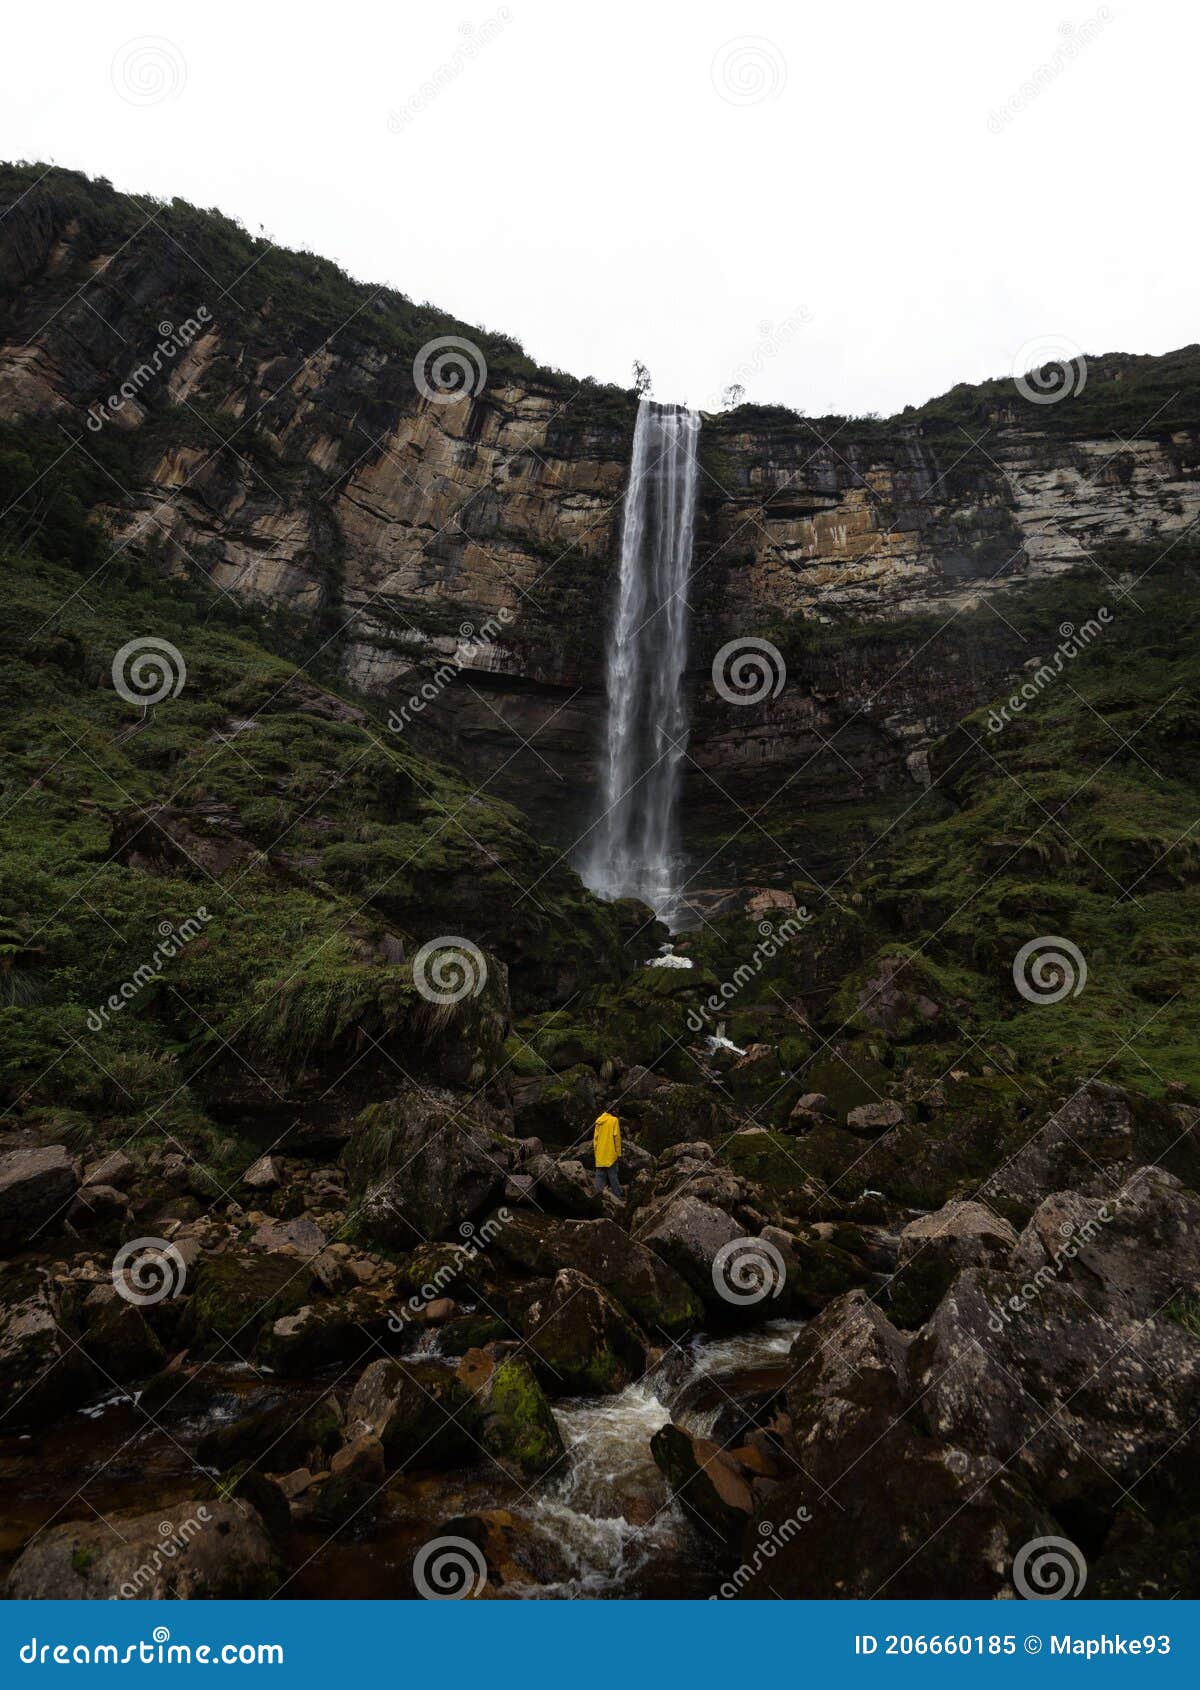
x=236 y=1299
x=424 y=1163
x=518 y=1426
x=579 y=1340
x=420 y=1412
x=275 y=1437
x=645 y=1286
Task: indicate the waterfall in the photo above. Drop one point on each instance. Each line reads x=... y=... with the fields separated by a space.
x=633 y=847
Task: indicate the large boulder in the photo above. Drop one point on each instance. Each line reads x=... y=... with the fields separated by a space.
x=518 y=1427
x=1064 y=1366
x=36 y=1189
x=916 y=1517
x=423 y=1164
x=421 y=1413
x=236 y=1300
x=210 y=1549
x=705 y=1479
x=935 y=1248
x=645 y=1286
x=579 y=1340
x=43 y=1371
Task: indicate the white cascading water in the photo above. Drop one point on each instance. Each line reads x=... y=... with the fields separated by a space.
x=632 y=849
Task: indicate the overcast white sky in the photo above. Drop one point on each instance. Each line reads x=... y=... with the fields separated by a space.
x=852 y=206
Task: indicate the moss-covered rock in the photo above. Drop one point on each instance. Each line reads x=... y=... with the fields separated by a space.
x=578 y=1339
x=518 y=1426
x=236 y=1299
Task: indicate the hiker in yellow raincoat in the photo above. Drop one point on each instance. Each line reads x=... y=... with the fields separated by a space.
x=606 y=1145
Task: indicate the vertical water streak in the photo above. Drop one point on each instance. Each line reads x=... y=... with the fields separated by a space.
x=633 y=848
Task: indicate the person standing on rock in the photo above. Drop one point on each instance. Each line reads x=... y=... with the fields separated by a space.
x=606 y=1148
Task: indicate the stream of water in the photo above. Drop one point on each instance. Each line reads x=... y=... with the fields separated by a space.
x=633 y=848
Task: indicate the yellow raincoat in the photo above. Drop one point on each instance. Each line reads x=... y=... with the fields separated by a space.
x=606 y=1140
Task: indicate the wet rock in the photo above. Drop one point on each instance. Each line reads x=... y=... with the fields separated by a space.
x=236 y=1299
x=555 y=1107
x=915 y=1517
x=121 y=1342
x=43 y=1372
x=36 y=1189
x=579 y=1340
x=338 y=1330
x=935 y=1248
x=422 y=1164
x=276 y=1437
x=687 y=1233
x=101 y=1212
x=420 y=1412
x=518 y=1427
x=710 y=1484
x=212 y=1549
x=1078 y=1395
x=645 y=1286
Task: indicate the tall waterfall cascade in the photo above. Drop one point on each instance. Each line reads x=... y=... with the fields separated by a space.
x=633 y=848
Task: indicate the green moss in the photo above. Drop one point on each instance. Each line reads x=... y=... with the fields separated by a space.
x=519 y=1427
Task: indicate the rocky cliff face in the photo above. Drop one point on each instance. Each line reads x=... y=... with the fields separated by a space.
x=466 y=545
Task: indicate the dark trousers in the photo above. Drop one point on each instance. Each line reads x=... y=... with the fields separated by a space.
x=608 y=1177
